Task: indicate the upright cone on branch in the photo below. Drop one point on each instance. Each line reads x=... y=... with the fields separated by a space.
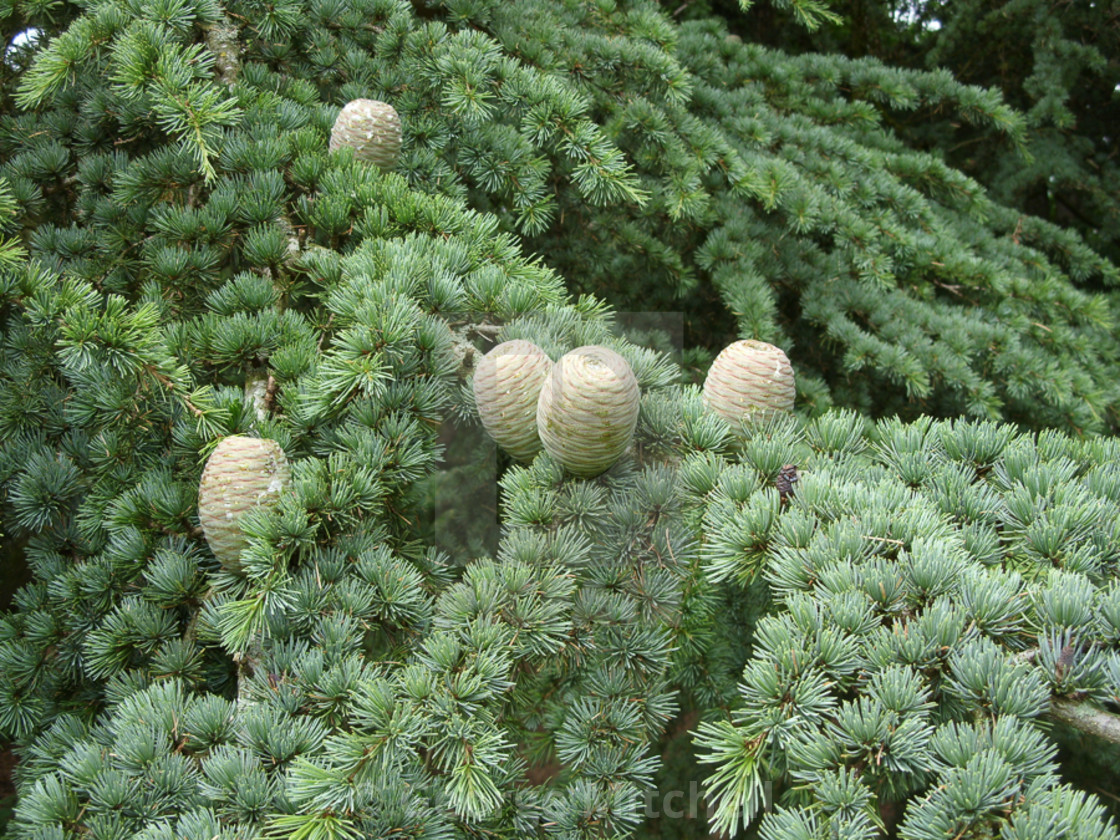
x=750 y=380
x=241 y=473
x=372 y=129
x=588 y=409
x=506 y=385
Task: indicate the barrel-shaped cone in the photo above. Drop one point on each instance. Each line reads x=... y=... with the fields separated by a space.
x=507 y=384
x=241 y=473
x=750 y=380
x=372 y=129
x=588 y=409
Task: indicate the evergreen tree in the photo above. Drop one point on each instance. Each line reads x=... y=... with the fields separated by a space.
x=184 y=259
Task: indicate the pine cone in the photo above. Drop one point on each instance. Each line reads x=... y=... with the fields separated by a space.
x=749 y=380
x=588 y=410
x=241 y=473
x=372 y=129
x=507 y=384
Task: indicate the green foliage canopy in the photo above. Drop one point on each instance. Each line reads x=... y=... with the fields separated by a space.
x=198 y=265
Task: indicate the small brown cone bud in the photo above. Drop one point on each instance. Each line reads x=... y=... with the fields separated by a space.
x=241 y=473
x=506 y=386
x=749 y=380
x=588 y=410
x=372 y=129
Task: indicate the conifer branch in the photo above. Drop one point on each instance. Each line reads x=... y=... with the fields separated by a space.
x=257 y=384
x=379 y=653
x=1080 y=714
x=1087 y=717
x=222 y=39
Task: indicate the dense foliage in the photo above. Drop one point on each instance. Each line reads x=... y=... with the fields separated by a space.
x=940 y=586
x=424 y=640
x=1057 y=63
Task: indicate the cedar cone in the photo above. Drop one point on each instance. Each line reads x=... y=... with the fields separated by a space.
x=588 y=410
x=241 y=473
x=507 y=384
x=372 y=129
x=749 y=380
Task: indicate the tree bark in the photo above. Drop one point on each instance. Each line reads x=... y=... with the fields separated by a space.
x=1083 y=715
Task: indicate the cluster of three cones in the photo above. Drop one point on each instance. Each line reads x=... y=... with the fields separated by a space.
x=583 y=410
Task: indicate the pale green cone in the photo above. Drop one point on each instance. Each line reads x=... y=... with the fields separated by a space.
x=588 y=410
x=750 y=380
x=506 y=386
x=372 y=129
x=241 y=473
